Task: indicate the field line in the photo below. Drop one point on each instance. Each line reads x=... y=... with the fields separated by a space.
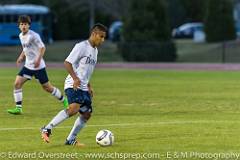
x=132 y=124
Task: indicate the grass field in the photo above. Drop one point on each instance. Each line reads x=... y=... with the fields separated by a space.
x=171 y=113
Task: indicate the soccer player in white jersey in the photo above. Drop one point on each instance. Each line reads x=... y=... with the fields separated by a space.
x=80 y=65
x=33 y=51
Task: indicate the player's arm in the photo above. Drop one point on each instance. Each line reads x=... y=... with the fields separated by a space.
x=20 y=58
x=37 y=40
x=40 y=56
x=73 y=58
x=69 y=68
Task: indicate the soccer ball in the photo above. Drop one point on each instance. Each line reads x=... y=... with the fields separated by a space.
x=105 y=138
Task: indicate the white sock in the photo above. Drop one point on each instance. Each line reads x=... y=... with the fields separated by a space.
x=78 y=125
x=17 y=94
x=60 y=117
x=57 y=93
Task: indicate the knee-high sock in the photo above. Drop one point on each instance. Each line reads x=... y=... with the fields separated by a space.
x=78 y=125
x=57 y=93
x=60 y=117
x=18 y=95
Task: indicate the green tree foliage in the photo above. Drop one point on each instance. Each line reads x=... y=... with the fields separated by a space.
x=71 y=17
x=147 y=21
x=195 y=10
x=72 y=22
x=62 y=16
x=219 y=23
x=146 y=32
x=183 y=11
x=176 y=12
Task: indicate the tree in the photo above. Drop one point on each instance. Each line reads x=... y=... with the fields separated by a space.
x=146 y=32
x=147 y=21
x=176 y=12
x=184 y=11
x=219 y=23
x=72 y=18
x=195 y=10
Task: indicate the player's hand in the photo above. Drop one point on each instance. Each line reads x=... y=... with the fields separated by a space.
x=76 y=83
x=19 y=61
x=37 y=63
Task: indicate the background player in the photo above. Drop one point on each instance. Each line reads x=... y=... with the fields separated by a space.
x=33 y=51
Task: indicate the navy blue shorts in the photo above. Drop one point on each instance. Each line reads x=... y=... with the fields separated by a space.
x=81 y=97
x=41 y=74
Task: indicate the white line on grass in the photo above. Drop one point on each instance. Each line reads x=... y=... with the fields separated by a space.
x=131 y=124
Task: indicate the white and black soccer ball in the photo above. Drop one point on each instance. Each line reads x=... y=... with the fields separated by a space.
x=105 y=138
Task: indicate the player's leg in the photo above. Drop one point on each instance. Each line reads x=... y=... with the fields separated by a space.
x=63 y=115
x=48 y=87
x=41 y=75
x=60 y=117
x=75 y=98
x=85 y=111
x=21 y=78
x=77 y=127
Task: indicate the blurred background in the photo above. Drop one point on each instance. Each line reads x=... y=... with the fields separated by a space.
x=139 y=30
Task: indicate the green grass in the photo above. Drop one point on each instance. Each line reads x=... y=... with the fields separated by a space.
x=148 y=111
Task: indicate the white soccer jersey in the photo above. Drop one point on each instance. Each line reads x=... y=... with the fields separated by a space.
x=31 y=43
x=83 y=58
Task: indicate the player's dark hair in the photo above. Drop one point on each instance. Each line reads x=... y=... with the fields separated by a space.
x=99 y=27
x=24 y=19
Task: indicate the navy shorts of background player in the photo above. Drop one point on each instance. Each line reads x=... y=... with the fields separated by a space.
x=40 y=75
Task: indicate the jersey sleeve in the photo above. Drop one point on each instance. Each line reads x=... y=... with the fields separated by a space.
x=37 y=40
x=75 y=54
x=20 y=35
